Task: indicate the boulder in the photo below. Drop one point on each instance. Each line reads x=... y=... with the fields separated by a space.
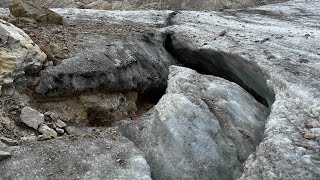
x=103 y=155
x=22 y=8
x=18 y=54
x=200 y=129
x=31 y=117
x=260 y=48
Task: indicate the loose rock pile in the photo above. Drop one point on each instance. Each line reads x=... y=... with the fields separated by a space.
x=48 y=125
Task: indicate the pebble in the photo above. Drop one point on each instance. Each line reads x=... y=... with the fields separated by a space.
x=44 y=137
x=70 y=130
x=309 y=135
x=54 y=117
x=9 y=141
x=46 y=130
x=4 y=155
x=60 y=131
x=222 y=33
x=59 y=123
x=311 y=124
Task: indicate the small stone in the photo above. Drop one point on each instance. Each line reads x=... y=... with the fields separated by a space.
x=51 y=125
x=54 y=117
x=70 y=130
x=265 y=40
x=49 y=63
x=9 y=141
x=31 y=117
x=311 y=124
x=13 y=112
x=28 y=138
x=222 y=33
x=59 y=123
x=309 y=135
x=44 y=137
x=46 y=130
x=4 y=155
x=303 y=60
x=316 y=111
x=270 y=56
x=47 y=114
x=8 y=90
x=60 y=131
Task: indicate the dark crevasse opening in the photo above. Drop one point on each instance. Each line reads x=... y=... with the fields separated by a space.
x=225 y=65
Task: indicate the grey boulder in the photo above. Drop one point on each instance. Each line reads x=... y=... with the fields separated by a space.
x=204 y=127
x=31 y=117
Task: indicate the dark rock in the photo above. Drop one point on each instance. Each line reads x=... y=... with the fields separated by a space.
x=28 y=9
x=9 y=141
x=222 y=33
x=4 y=155
x=135 y=64
x=60 y=131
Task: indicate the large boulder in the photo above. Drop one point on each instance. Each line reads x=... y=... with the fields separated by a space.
x=204 y=127
x=281 y=39
x=102 y=155
x=22 y=8
x=18 y=54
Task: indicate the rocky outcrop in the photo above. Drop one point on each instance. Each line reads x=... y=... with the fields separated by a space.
x=28 y=9
x=202 y=128
x=105 y=155
x=137 y=64
x=18 y=54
